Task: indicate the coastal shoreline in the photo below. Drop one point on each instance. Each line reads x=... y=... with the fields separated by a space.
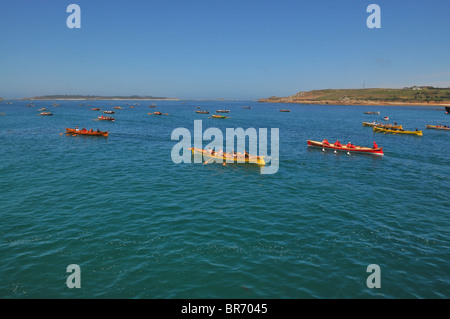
x=368 y=103
x=408 y=96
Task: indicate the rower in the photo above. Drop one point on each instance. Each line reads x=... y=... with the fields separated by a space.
x=325 y=141
x=375 y=145
x=337 y=143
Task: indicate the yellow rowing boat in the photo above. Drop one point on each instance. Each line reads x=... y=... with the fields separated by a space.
x=239 y=158
x=377 y=129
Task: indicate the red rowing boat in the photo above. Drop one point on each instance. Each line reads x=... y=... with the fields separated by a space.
x=344 y=148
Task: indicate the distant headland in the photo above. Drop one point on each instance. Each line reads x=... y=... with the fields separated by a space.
x=97 y=97
x=415 y=95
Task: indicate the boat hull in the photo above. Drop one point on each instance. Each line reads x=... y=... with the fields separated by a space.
x=357 y=149
x=258 y=160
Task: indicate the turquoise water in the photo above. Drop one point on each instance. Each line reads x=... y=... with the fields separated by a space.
x=140 y=226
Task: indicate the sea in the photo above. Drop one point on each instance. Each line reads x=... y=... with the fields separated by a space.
x=137 y=225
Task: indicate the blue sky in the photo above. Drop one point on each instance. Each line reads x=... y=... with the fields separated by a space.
x=198 y=49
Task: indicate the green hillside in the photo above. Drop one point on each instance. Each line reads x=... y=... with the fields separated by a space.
x=406 y=95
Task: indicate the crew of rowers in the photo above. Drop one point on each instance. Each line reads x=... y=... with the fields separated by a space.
x=348 y=145
x=442 y=126
x=86 y=131
x=231 y=154
x=394 y=127
x=387 y=125
x=108 y=118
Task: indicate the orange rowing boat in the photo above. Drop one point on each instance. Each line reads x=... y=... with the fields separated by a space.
x=85 y=132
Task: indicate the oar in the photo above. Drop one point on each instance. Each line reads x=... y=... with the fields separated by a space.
x=208 y=160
